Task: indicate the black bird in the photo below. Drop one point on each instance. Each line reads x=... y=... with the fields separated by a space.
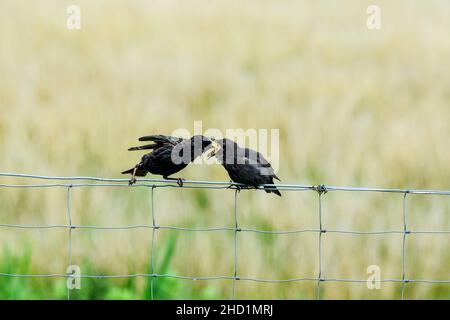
x=244 y=165
x=170 y=155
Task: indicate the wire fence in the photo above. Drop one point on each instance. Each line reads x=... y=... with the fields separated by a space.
x=71 y=183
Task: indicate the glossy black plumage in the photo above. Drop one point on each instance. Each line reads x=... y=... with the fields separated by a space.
x=169 y=156
x=245 y=165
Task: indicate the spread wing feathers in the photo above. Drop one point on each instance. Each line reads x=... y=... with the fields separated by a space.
x=158 y=141
x=161 y=139
x=146 y=147
x=139 y=172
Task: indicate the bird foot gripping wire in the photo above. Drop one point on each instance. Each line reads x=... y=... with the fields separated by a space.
x=180 y=182
x=240 y=187
x=133 y=177
x=231 y=186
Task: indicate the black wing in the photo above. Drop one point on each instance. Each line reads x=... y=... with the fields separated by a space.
x=158 y=141
x=255 y=158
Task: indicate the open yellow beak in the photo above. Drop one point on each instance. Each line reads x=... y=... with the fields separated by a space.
x=214 y=149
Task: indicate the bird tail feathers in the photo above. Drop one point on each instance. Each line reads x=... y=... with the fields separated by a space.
x=272 y=190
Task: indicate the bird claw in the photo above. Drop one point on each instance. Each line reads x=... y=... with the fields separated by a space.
x=238 y=188
x=180 y=182
x=133 y=177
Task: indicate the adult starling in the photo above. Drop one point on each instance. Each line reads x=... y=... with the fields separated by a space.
x=244 y=165
x=169 y=155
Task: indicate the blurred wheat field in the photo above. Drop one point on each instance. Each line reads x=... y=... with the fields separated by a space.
x=355 y=107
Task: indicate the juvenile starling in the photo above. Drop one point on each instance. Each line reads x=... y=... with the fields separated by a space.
x=169 y=155
x=244 y=165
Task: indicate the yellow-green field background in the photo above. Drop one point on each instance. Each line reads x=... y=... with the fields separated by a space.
x=355 y=107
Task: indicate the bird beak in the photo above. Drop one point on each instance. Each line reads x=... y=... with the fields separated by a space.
x=214 y=149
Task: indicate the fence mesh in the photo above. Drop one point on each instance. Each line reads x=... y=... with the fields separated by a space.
x=71 y=183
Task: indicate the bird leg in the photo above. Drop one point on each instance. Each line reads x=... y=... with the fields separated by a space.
x=133 y=177
x=239 y=187
x=178 y=180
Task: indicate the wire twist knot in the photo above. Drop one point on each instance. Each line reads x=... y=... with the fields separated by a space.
x=321 y=189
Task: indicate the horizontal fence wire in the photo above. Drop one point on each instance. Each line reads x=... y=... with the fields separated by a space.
x=86 y=182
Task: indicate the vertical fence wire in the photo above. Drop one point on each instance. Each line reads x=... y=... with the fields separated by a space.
x=405 y=233
x=321 y=231
x=236 y=230
x=69 y=216
x=152 y=252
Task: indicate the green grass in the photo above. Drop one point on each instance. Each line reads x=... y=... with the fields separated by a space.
x=17 y=288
